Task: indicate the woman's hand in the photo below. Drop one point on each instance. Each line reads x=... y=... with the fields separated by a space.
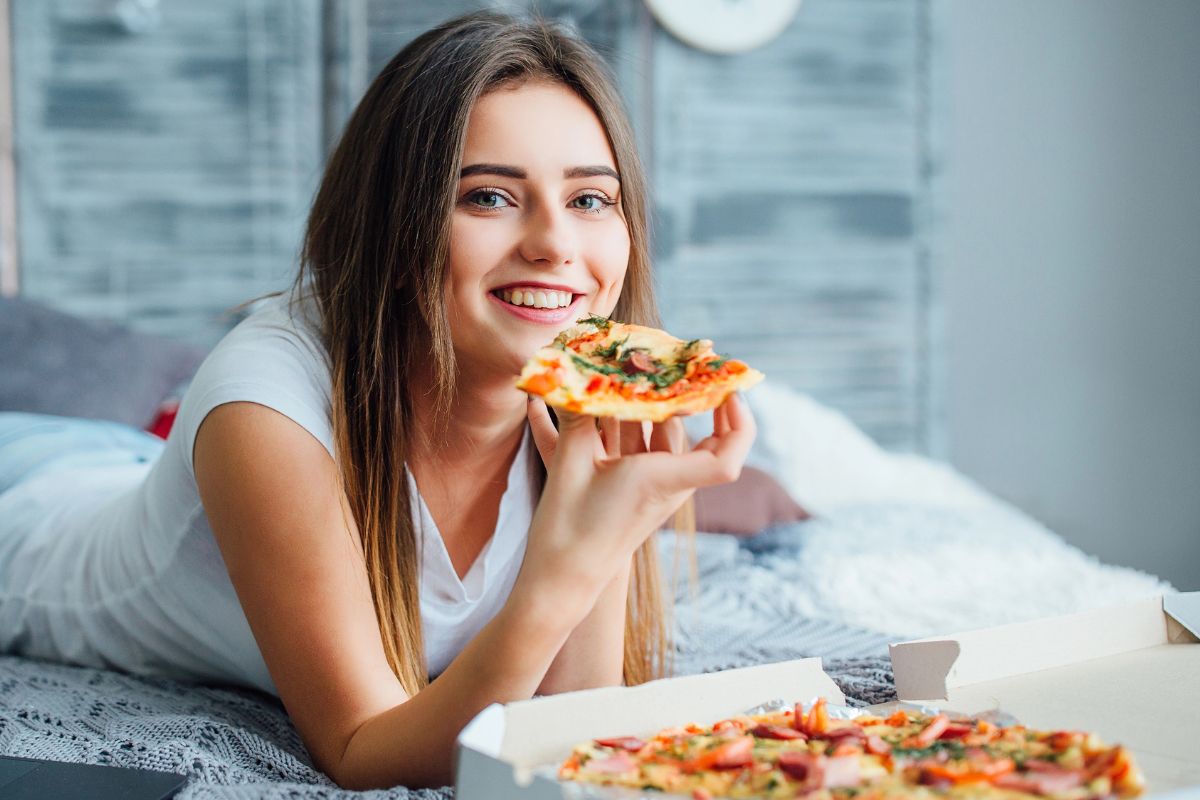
x=616 y=437
x=605 y=494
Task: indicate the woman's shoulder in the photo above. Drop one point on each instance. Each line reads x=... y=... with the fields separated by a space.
x=275 y=358
x=280 y=323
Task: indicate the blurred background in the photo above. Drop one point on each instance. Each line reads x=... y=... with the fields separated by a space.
x=973 y=226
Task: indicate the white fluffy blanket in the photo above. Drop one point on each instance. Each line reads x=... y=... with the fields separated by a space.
x=914 y=571
x=902 y=544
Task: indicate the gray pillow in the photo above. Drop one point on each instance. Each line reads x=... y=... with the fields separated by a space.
x=54 y=363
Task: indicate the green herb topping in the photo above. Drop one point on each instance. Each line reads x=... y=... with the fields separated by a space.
x=595 y=320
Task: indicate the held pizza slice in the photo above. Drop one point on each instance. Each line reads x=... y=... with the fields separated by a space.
x=611 y=369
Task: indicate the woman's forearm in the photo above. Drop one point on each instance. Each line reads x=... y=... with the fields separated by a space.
x=413 y=743
x=594 y=653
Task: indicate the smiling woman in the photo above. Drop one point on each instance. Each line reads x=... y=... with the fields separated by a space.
x=356 y=508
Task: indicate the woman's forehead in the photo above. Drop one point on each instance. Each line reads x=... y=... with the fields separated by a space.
x=536 y=125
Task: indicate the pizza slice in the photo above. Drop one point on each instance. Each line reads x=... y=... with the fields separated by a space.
x=604 y=368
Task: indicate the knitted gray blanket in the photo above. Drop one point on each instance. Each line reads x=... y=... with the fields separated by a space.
x=235 y=743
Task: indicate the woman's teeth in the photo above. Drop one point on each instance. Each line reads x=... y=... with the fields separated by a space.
x=535 y=298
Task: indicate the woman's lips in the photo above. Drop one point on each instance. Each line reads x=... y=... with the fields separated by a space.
x=546 y=316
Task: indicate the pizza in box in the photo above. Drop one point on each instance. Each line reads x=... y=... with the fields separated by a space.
x=800 y=753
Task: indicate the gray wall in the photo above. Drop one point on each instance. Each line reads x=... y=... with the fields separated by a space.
x=165 y=171
x=1071 y=267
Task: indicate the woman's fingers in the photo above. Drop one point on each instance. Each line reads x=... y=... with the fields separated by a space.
x=721 y=416
x=668 y=436
x=716 y=459
x=633 y=438
x=545 y=435
x=719 y=458
x=623 y=438
x=719 y=462
x=660 y=437
x=577 y=436
x=610 y=431
x=737 y=413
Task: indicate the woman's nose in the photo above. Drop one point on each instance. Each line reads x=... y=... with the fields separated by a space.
x=548 y=238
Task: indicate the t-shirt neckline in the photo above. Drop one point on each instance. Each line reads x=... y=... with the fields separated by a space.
x=439 y=580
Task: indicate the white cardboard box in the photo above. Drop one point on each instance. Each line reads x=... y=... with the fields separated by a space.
x=499 y=748
x=1130 y=673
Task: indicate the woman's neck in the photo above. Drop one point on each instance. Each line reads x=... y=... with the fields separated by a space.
x=485 y=421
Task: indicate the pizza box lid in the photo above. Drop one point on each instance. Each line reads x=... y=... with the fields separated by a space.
x=1130 y=673
x=498 y=750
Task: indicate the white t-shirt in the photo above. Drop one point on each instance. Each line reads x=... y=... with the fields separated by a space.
x=118 y=568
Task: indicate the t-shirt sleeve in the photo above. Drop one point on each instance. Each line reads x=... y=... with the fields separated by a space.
x=269 y=365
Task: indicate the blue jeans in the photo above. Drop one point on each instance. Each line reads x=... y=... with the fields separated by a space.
x=33 y=443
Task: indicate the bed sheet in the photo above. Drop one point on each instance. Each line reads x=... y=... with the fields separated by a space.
x=237 y=743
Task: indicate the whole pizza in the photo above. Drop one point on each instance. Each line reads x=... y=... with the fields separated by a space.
x=795 y=753
x=631 y=372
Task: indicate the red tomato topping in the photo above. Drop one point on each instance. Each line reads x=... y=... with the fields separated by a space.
x=846 y=749
x=978 y=771
x=727 y=755
x=955 y=730
x=630 y=743
x=878 y=746
x=817 y=721
x=1061 y=740
x=541 y=383
x=936 y=727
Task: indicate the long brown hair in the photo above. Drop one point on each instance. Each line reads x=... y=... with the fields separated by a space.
x=374 y=258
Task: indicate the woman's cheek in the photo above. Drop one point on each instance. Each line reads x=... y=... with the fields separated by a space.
x=611 y=253
x=474 y=247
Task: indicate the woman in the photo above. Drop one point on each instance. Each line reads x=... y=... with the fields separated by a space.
x=355 y=498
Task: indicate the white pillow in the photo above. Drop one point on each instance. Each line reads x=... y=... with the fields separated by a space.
x=825 y=462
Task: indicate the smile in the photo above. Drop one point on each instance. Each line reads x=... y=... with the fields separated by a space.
x=537 y=303
x=535 y=297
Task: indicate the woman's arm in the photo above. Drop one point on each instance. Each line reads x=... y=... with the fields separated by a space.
x=291 y=547
x=412 y=743
x=594 y=654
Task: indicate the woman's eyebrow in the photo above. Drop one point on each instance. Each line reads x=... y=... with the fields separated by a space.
x=493 y=169
x=591 y=172
x=505 y=171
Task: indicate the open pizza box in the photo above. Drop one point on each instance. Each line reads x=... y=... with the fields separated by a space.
x=501 y=748
x=1129 y=673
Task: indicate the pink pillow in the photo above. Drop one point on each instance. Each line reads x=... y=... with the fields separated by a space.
x=753 y=502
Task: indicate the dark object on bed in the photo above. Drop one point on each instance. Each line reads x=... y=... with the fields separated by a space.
x=56 y=363
x=22 y=778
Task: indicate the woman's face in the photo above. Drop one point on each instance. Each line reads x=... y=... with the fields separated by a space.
x=538 y=237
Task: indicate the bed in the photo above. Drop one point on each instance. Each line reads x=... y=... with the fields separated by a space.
x=893 y=550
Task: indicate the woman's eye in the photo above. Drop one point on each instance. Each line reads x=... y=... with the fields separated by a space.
x=592 y=203
x=487 y=199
